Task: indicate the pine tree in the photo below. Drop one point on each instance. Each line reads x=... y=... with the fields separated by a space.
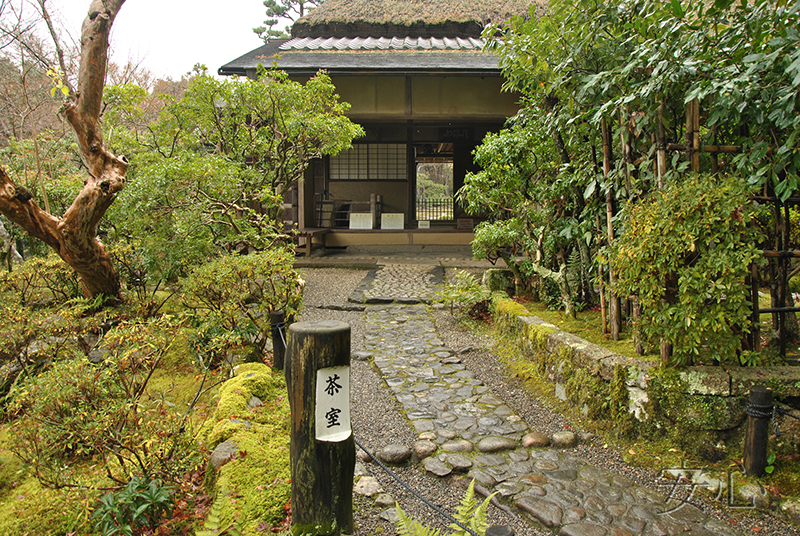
x=282 y=11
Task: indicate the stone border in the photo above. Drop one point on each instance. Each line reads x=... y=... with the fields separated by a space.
x=714 y=396
x=357 y=295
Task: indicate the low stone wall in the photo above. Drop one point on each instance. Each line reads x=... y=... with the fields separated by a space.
x=639 y=392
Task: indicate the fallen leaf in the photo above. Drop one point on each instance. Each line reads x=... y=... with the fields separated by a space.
x=631 y=451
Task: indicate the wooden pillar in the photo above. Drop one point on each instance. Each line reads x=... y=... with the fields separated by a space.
x=323 y=453
x=759 y=413
x=306 y=206
x=373 y=210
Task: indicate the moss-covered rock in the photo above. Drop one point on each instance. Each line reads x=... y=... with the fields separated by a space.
x=254 y=486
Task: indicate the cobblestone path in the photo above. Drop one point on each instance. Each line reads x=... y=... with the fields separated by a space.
x=464 y=428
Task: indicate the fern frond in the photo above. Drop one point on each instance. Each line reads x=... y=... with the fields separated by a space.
x=471 y=514
x=464 y=511
x=478 y=522
x=468 y=504
x=213 y=524
x=408 y=526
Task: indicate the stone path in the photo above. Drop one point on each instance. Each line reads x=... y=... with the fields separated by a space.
x=464 y=428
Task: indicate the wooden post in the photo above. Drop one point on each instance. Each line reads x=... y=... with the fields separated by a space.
x=373 y=210
x=277 y=321
x=757 y=432
x=323 y=452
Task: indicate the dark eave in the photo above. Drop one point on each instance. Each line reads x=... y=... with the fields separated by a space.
x=364 y=62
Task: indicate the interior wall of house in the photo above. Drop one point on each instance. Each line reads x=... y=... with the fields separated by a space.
x=417 y=97
x=394 y=193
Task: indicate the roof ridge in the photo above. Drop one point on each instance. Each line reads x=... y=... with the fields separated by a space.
x=383 y=43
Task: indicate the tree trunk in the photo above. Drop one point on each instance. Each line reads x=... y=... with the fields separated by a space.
x=8 y=251
x=671 y=284
x=560 y=279
x=74 y=236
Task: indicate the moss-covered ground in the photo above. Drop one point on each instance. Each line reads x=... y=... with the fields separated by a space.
x=251 y=492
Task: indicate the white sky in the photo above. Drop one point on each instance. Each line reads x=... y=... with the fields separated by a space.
x=170 y=36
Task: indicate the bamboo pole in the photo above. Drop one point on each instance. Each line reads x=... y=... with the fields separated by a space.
x=693 y=134
x=661 y=141
x=614 y=301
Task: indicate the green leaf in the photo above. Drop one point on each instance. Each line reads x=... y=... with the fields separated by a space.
x=677 y=10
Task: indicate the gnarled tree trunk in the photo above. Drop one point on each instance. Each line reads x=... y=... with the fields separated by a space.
x=74 y=235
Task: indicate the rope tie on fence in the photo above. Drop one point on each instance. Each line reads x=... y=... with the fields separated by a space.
x=414 y=492
x=768 y=412
x=781 y=411
x=279 y=329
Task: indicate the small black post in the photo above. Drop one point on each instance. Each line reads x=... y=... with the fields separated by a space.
x=759 y=413
x=277 y=320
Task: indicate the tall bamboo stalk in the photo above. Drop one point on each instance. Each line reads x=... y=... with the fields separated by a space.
x=614 y=302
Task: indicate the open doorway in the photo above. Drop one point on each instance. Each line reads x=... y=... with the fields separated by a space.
x=434 y=179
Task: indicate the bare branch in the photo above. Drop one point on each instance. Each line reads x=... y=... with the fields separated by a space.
x=56 y=43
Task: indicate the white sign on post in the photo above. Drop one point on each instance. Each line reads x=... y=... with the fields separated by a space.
x=333 y=404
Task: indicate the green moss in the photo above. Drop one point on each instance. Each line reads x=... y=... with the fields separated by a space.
x=314 y=530
x=254 y=487
x=509 y=308
x=224 y=430
x=498 y=279
x=28 y=508
x=252 y=379
x=786 y=477
x=619 y=392
x=537 y=334
x=586 y=390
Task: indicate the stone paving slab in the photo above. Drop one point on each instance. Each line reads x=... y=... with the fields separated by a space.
x=474 y=432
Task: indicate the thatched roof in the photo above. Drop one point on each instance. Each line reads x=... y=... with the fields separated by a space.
x=407 y=18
